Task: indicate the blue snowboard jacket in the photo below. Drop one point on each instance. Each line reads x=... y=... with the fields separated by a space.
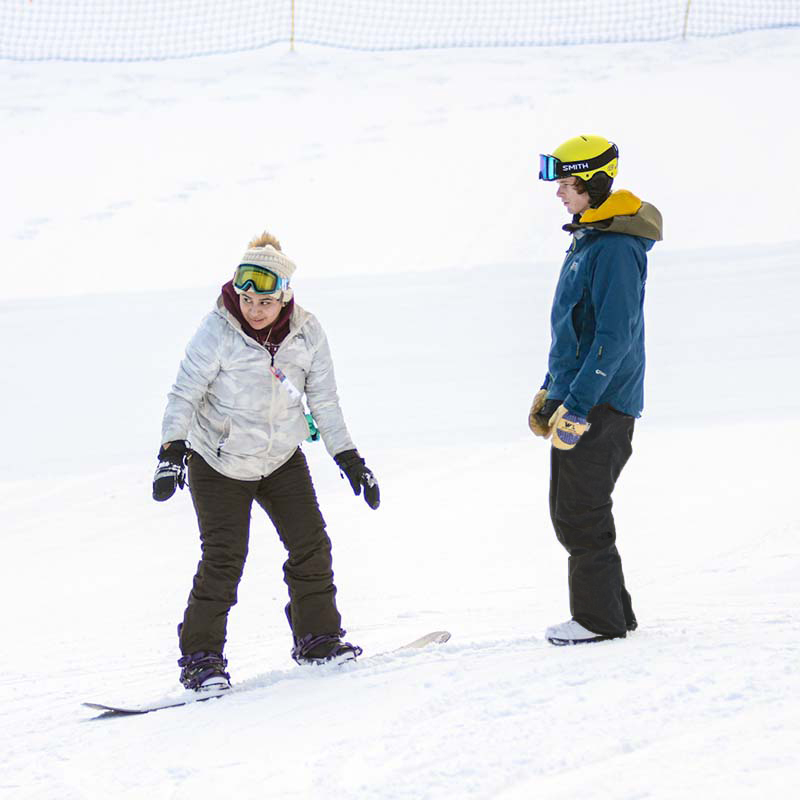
x=597 y=321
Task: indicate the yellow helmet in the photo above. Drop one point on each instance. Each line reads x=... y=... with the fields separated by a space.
x=583 y=156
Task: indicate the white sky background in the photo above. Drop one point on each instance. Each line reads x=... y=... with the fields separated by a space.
x=404 y=185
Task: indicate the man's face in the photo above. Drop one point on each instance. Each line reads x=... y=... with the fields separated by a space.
x=568 y=194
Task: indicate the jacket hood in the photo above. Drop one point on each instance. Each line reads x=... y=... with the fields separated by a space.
x=622 y=212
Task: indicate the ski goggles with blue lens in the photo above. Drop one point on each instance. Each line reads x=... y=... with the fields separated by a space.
x=548 y=168
x=552 y=168
x=260 y=279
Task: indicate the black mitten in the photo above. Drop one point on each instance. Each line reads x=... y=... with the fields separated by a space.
x=359 y=474
x=546 y=411
x=171 y=470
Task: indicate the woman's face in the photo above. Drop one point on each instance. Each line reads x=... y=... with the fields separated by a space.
x=260 y=310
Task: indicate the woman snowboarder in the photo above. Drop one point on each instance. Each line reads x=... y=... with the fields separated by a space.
x=235 y=418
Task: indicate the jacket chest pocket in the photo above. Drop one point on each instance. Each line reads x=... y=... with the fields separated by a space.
x=302 y=361
x=573 y=279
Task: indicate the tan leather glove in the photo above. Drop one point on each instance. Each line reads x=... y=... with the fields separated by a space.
x=534 y=423
x=567 y=428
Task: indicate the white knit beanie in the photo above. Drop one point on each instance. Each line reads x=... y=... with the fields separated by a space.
x=271 y=258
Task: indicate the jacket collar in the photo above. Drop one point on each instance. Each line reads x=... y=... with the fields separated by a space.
x=621 y=212
x=290 y=320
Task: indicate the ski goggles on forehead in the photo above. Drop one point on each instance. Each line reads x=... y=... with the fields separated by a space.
x=552 y=168
x=260 y=279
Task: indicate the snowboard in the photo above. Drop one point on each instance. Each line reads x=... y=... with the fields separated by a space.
x=189 y=698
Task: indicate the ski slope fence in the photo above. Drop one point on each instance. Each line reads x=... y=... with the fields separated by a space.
x=140 y=30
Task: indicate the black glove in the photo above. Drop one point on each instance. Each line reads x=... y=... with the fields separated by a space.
x=546 y=411
x=359 y=474
x=171 y=470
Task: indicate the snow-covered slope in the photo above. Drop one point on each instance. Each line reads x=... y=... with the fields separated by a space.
x=404 y=186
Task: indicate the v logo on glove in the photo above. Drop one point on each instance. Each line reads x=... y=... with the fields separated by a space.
x=567 y=428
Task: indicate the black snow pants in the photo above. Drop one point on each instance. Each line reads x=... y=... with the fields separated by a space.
x=223 y=508
x=581 y=483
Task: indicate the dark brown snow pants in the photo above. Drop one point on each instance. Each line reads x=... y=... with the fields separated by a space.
x=581 y=483
x=223 y=514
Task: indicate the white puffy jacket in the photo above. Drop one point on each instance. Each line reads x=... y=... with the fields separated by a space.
x=235 y=413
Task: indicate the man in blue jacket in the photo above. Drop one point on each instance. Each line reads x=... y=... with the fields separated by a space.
x=594 y=386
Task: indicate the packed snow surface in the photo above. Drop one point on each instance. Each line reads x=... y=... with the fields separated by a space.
x=404 y=186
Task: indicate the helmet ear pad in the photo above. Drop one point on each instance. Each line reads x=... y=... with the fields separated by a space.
x=598 y=188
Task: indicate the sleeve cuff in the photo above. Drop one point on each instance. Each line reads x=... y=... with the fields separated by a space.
x=571 y=404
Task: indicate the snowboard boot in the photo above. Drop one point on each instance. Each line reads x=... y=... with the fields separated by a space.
x=571 y=632
x=204 y=672
x=325 y=647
